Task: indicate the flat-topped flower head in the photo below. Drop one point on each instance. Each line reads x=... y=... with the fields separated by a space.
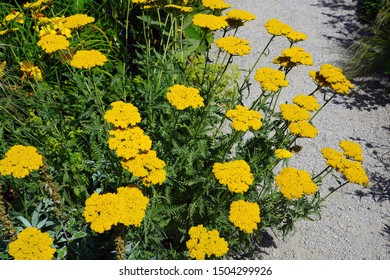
x=210 y=22
x=52 y=42
x=332 y=77
x=233 y=45
x=294 y=183
x=294 y=56
x=32 y=244
x=352 y=150
x=88 y=59
x=278 y=28
x=77 y=21
x=182 y=97
x=283 y=153
x=293 y=113
x=303 y=129
x=239 y=16
x=20 y=160
x=205 y=243
x=307 y=102
x=243 y=118
x=122 y=114
x=236 y=175
x=178 y=8
x=271 y=79
x=215 y=4
x=245 y=215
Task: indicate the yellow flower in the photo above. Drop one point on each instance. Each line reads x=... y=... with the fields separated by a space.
x=307 y=102
x=32 y=244
x=204 y=243
x=129 y=142
x=20 y=160
x=215 y=4
x=303 y=129
x=178 y=8
x=209 y=21
x=295 y=183
x=88 y=59
x=293 y=113
x=52 y=43
x=332 y=77
x=239 y=16
x=2 y=67
x=126 y=207
x=352 y=149
x=236 y=175
x=36 y=4
x=77 y=20
x=233 y=45
x=30 y=71
x=245 y=215
x=270 y=79
x=182 y=97
x=293 y=56
x=14 y=15
x=6 y=31
x=334 y=159
x=243 y=118
x=282 y=153
x=122 y=114
x=277 y=28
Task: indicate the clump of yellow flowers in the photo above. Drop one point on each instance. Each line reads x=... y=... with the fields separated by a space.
x=245 y=215
x=182 y=97
x=236 y=175
x=294 y=183
x=243 y=118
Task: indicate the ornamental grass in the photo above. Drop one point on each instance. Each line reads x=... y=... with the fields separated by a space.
x=122 y=137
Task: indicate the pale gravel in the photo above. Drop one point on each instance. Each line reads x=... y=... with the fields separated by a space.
x=355 y=222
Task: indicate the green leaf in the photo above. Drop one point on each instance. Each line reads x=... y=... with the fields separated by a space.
x=24 y=221
x=78 y=234
x=41 y=223
x=61 y=253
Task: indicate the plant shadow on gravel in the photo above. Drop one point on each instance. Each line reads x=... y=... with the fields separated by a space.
x=386 y=232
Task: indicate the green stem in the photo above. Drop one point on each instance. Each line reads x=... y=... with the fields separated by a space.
x=327 y=101
x=326 y=169
x=341 y=185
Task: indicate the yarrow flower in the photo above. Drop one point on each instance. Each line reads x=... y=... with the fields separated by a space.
x=243 y=118
x=293 y=113
x=122 y=114
x=294 y=183
x=182 y=97
x=237 y=18
x=30 y=71
x=126 y=207
x=88 y=59
x=283 y=153
x=245 y=215
x=215 y=4
x=77 y=20
x=236 y=175
x=233 y=45
x=210 y=22
x=293 y=56
x=51 y=43
x=270 y=79
x=178 y=8
x=205 y=242
x=303 y=129
x=352 y=150
x=307 y=102
x=52 y=26
x=14 y=15
x=36 y=4
x=277 y=28
x=20 y=160
x=32 y=244
x=332 y=77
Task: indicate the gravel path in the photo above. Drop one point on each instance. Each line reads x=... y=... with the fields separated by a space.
x=355 y=222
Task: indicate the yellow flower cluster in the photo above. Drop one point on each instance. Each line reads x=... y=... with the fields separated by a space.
x=122 y=114
x=30 y=71
x=243 y=118
x=53 y=26
x=283 y=153
x=126 y=207
x=179 y=8
x=14 y=15
x=233 y=45
x=131 y=144
x=307 y=102
x=293 y=113
x=332 y=77
x=182 y=97
x=32 y=244
x=303 y=129
x=76 y=21
x=20 y=160
x=245 y=215
x=294 y=183
x=215 y=4
x=36 y=4
x=277 y=28
x=88 y=59
x=293 y=56
x=270 y=79
x=209 y=21
x=52 y=42
x=205 y=242
x=236 y=18
x=236 y=175
x=351 y=169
